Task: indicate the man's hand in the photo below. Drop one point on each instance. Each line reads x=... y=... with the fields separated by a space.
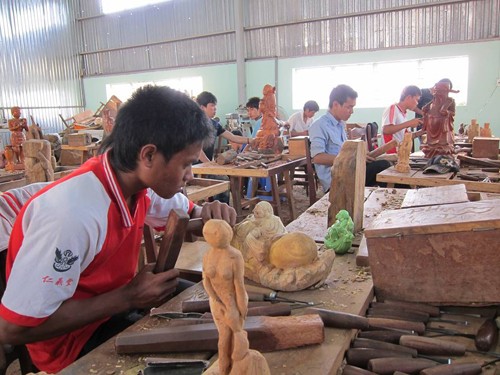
x=148 y=290
x=414 y=122
x=369 y=158
x=218 y=210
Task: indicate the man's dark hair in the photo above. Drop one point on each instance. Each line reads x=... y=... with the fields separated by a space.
x=340 y=94
x=253 y=102
x=410 y=91
x=156 y=115
x=205 y=98
x=446 y=80
x=311 y=105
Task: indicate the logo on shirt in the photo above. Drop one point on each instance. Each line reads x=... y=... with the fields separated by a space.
x=64 y=261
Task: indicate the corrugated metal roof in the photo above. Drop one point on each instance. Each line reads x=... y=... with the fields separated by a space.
x=39 y=60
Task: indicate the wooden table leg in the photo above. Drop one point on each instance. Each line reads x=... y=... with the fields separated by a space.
x=235 y=185
x=311 y=184
x=276 y=194
x=289 y=193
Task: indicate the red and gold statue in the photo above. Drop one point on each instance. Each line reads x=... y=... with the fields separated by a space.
x=267 y=139
x=438 y=121
x=17 y=126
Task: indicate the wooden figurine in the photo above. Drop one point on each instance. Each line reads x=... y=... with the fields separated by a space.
x=17 y=126
x=486 y=131
x=34 y=130
x=439 y=115
x=404 y=149
x=473 y=130
x=267 y=138
x=37 y=161
x=223 y=279
x=276 y=259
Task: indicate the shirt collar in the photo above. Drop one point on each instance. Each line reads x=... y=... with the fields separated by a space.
x=333 y=119
x=114 y=186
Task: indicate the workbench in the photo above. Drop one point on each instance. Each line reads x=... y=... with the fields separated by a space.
x=284 y=166
x=416 y=177
x=348 y=288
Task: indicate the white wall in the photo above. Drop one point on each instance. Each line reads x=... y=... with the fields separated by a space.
x=483 y=100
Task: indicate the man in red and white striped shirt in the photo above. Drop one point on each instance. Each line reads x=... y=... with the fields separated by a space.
x=394 y=123
x=73 y=250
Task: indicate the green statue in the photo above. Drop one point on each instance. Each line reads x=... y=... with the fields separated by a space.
x=340 y=234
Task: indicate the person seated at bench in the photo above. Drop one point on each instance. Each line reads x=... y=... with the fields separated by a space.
x=328 y=134
x=74 y=248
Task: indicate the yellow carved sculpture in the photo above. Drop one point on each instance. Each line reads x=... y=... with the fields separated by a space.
x=295 y=263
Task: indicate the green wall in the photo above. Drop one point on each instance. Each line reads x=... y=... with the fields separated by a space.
x=483 y=100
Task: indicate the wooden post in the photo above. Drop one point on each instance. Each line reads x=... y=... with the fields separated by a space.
x=348 y=183
x=37 y=161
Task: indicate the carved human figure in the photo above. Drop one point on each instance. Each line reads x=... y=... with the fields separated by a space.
x=268 y=134
x=438 y=121
x=223 y=279
x=404 y=149
x=17 y=126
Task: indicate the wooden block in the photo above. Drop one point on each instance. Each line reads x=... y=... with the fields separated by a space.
x=485 y=147
x=348 y=183
x=79 y=139
x=264 y=333
x=297 y=146
x=445 y=254
x=72 y=157
x=435 y=195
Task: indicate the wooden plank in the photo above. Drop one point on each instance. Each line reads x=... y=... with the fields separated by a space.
x=348 y=183
x=460 y=217
x=362 y=254
x=435 y=195
x=416 y=178
x=191 y=256
x=202 y=188
x=265 y=334
x=22 y=182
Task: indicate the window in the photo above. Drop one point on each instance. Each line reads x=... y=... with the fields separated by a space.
x=379 y=84
x=188 y=85
x=113 y=6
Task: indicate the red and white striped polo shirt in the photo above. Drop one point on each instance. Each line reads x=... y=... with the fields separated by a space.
x=393 y=116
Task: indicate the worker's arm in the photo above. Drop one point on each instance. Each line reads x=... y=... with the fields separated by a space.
x=324 y=158
x=391 y=128
x=236 y=138
x=203 y=157
x=144 y=291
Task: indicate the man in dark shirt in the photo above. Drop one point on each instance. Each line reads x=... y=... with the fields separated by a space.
x=208 y=103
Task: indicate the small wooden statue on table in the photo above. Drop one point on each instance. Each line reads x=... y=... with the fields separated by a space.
x=17 y=126
x=223 y=279
x=438 y=121
x=404 y=149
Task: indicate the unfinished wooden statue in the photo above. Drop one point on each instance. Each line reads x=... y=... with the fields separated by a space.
x=223 y=279
x=439 y=115
x=17 y=126
x=276 y=259
x=37 y=161
x=404 y=149
x=267 y=138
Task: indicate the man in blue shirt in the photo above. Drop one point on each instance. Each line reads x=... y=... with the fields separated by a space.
x=254 y=114
x=328 y=134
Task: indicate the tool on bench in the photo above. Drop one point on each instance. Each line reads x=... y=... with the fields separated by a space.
x=257 y=293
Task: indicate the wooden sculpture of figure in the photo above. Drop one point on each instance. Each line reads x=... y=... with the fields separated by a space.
x=267 y=139
x=438 y=121
x=223 y=279
x=17 y=126
x=38 y=161
x=276 y=259
x=404 y=149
